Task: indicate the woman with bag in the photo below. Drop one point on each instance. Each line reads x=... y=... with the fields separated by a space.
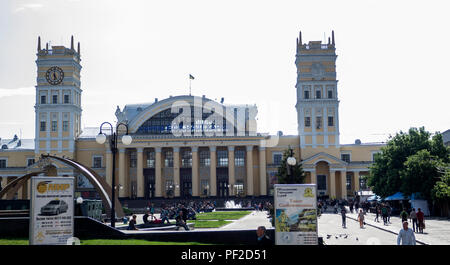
x=361 y=219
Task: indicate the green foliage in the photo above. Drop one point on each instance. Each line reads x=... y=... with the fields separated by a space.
x=127 y=211
x=441 y=190
x=231 y=215
x=408 y=163
x=297 y=175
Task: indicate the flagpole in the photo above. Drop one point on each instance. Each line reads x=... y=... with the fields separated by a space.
x=190 y=85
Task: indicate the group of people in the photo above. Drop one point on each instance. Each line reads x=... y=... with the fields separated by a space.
x=416 y=218
x=385 y=210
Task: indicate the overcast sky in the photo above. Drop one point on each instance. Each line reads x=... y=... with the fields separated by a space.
x=392 y=63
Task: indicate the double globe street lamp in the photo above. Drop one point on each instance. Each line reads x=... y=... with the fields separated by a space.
x=126 y=140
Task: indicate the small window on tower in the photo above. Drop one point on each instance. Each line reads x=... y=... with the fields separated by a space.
x=43 y=100
x=43 y=126
x=318 y=94
x=65 y=126
x=54 y=126
x=66 y=99
x=55 y=99
x=318 y=122
x=306 y=94
x=330 y=94
x=330 y=121
x=307 y=121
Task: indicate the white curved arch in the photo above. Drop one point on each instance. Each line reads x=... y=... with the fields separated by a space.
x=153 y=109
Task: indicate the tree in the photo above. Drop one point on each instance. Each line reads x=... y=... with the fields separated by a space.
x=296 y=176
x=399 y=166
x=441 y=192
x=420 y=174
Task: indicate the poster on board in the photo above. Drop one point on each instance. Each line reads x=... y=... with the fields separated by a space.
x=51 y=216
x=295 y=214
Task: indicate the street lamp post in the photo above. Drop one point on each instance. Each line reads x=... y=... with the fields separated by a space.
x=126 y=140
x=291 y=161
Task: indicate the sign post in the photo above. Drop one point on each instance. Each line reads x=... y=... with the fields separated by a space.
x=295 y=214
x=52 y=208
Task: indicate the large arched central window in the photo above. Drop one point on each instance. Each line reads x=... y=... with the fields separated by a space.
x=161 y=123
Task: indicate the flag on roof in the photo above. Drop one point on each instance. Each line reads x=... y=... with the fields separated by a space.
x=191 y=77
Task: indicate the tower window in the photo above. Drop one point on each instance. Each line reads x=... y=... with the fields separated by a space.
x=307 y=121
x=318 y=122
x=65 y=126
x=97 y=162
x=54 y=126
x=30 y=161
x=345 y=157
x=318 y=94
x=3 y=163
x=330 y=94
x=330 y=121
x=306 y=94
x=43 y=126
x=66 y=99
x=43 y=100
x=55 y=99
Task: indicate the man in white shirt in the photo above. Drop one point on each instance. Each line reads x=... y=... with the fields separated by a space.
x=406 y=235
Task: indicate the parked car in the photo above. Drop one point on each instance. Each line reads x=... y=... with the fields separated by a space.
x=54 y=207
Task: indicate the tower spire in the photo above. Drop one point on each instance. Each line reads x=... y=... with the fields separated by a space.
x=332 y=37
x=78 y=48
x=300 y=38
x=46 y=46
x=71 y=43
x=39 y=44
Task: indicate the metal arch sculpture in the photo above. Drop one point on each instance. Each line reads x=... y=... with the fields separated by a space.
x=12 y=187
x=99 y=183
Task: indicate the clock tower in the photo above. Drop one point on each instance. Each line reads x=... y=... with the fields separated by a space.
x=58 y=100
x=317 y=98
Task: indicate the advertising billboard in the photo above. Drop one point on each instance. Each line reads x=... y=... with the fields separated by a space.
x=51 y=216
x=295 y=214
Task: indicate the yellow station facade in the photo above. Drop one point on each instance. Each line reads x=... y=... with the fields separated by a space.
x=207 y=158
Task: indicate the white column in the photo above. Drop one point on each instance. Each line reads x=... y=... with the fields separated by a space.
x=344 y=184
x=176 y=170
x=140 y=172
x=262 y=172
x=356 y=181
x=231 y=170
x=212 y=173
x=158 y=174
x=249 y=163
x=122 y=172
x=313 y=177
x=332 y=184
x=195 y=173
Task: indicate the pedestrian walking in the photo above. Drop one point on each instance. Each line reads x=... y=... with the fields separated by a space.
x=351 y=207
x=377 y=212
x=361 y=218
x=404 y=215
x=421 y=220
x=406 y=235
x=343 y=214
x=384 y=213
x=389 y=212
x=413 y=219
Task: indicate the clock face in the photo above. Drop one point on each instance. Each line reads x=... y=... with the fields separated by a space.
x=54 y=75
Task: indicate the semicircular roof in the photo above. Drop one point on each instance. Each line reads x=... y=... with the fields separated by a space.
x=136 y=114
